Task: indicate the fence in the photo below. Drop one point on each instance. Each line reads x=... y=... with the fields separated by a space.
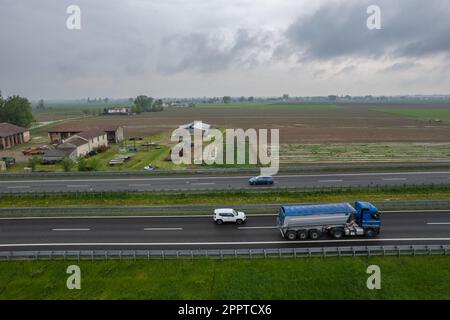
x=303 y=168
x=324 y=252
x=104 y=194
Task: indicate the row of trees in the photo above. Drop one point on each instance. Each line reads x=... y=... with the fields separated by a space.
x=16 y=110
x=143 y=103
x=67 y=164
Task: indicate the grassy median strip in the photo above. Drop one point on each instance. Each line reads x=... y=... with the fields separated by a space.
x=314 y=278
x=225 y=197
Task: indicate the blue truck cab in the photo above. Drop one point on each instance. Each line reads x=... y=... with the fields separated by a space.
x=368 y=217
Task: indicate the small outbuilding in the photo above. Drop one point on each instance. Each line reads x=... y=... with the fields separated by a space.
x=11 y=135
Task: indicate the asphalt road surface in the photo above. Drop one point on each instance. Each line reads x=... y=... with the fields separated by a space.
x=199 y=182
x=200 y=232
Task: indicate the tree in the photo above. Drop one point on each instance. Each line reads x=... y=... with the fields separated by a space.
x=93 y=164
x=142 y=103
x=332 y=97
x=250 y=99
x=158 y=105
x=82 y=164
x=67 y=164
x=16 y=110
x=40 y=105
x=226 y=99
x=242 y=99
x=146 y=104
x=33 y=162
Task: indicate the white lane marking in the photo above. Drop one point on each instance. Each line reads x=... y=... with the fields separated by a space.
x=77 y=186
x=201 y=183
x=249 y=228
x=163 y=229
x=324 y=181
x=438 y=223
x=394 y=179
x=79 y=229
x=195 y=215
x=140 y=185
x=18 y=187
x=231 y=177
x=212 y=243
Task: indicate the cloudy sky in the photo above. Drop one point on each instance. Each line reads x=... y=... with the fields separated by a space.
x=176 y=48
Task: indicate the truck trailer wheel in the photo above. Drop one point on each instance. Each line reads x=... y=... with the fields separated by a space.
x=302 y=234
x=314 y=234
x=337 y=233
x=291 y=235
x=370 y=233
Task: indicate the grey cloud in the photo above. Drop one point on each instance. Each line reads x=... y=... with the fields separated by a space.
x=410 y=28
x=211 y=52
x=401 y=66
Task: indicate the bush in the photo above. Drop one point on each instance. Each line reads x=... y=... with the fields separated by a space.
x=67 y=164
x=82 y=164
x=33 y=162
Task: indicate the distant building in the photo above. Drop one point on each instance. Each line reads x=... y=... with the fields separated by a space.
x=11 y=135
x=204 y=127
x=118 y=111
x=78 y=145
x=59 y=134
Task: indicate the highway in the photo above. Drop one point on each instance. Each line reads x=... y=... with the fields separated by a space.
x=200 y=232
x=218 y=182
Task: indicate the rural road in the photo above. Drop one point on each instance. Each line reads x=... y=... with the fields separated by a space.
x=200 y=232
x=199 y=182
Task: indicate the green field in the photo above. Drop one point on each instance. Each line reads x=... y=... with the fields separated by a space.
x=425 y=114
x=232 y=198
x=314 y=278
x=363 y=152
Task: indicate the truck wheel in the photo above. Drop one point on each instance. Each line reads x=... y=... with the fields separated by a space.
x=218 y=221
x=314 y=234
x=337 y=233
x=302 y=234
x=239 y=221
x=291 y=235
x=370 y=233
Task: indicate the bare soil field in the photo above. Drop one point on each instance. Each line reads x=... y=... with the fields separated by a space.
x=343 y=124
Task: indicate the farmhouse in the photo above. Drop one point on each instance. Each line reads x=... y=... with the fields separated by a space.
x=10 y=135
x=60 y=134
x=197 y=125
x=118 y=111
x=78 y=145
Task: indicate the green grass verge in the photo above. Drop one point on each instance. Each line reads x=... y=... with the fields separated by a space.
x=314 y=278
x=364 y=152
x=225 y=197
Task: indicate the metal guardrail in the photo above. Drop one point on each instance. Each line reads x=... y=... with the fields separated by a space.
x=271 y=208
x=260 y=189
x=324 y=252
x=255 y=170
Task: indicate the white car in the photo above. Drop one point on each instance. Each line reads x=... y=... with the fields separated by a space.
x=229 y=215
